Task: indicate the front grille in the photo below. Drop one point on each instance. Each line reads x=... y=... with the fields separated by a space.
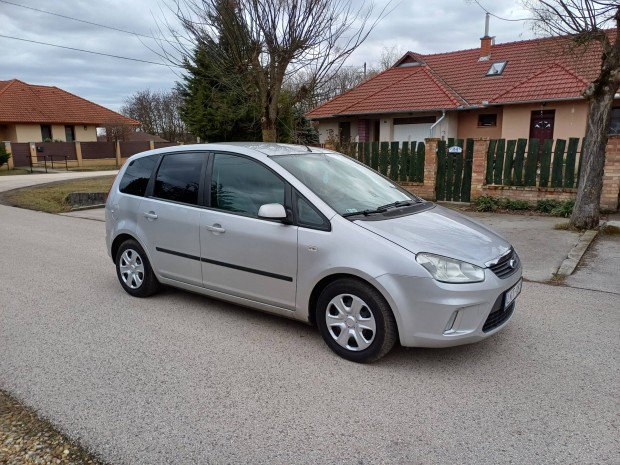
x=507 y=265
x=499 y=315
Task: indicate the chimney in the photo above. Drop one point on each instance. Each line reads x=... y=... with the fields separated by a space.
x=486 y=41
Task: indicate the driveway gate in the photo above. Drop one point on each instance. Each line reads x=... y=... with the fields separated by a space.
x=454 y=165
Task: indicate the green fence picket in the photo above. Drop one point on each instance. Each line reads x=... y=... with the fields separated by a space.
x=404 y=162
x=545 y=163
x=499 y=161
x=467 y=171
x=412 y=164
x=419 y=162
x=531 y=163
x=508 y=162
x=458 y=172
x=353 y=150
x=580 y=160
x=490 y=161
x=571 y=158
x=366 y=159
x=449 y=173
x=518 y=162
x=558 y=163
x=374 y=157
x=440 y=188
x=384 y=158
x=394 y=161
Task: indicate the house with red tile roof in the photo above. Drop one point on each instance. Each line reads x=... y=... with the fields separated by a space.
x=32 y=113
x=525 y=89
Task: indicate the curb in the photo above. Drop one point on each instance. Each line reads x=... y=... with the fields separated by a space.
x=574 y=256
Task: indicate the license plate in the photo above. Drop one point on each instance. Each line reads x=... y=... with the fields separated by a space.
x=512 y=293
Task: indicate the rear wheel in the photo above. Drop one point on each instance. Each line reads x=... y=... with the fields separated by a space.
x=355 y=321
x=134 y=270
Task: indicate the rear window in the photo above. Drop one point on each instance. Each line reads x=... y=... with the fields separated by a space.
x=137 y=176
x=178 y=178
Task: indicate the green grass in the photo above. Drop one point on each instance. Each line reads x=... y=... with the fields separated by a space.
x=14 y=172
x=51 y=198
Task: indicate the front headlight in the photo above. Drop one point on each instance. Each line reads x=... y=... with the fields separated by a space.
x=449 y=270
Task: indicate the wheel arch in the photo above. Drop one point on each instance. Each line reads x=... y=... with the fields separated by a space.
x=327 y=280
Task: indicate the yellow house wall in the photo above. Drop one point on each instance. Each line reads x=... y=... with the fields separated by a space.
x=468 y=124
x=570 y=119
x=32 y=133
x=85 y=135
x=27 y=133
x=324 y=130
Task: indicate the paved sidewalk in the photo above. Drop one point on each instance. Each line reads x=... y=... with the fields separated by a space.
x=8 y=183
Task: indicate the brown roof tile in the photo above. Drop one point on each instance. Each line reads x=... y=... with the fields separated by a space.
x=536 y=70
x=27 y=103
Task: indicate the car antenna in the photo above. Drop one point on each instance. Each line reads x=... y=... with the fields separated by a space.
x=309 y=149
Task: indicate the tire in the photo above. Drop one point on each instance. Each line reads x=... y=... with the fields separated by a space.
x=355 y=321
x=134 y=270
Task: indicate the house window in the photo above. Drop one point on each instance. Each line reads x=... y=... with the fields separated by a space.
x=614 y=124
x=497 y=68
x=70 y=133
x=46 y=133
x=487 y=121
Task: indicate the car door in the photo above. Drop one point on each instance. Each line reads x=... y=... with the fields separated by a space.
x=242 y=254
x=169 y=217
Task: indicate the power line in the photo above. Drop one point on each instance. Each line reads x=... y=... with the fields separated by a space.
x=477 y=2
x=84 y=21
x=90 y=51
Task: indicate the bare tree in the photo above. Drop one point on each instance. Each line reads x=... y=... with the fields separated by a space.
x=268 y=40
x=158 y=113
x=117 y=131
x=584 y=21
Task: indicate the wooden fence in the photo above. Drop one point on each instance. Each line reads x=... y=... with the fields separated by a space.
x=400 y=161
x=537 y=163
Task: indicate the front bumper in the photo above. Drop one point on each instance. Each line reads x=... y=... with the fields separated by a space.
x=434 y=314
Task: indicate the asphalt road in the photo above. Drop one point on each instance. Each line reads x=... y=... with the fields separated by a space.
x=183 y=379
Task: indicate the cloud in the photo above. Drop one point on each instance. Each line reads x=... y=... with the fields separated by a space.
x=417 y=26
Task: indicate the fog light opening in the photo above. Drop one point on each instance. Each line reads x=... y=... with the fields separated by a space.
x=450 y=325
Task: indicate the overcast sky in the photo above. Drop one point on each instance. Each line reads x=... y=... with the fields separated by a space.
x=422 y=26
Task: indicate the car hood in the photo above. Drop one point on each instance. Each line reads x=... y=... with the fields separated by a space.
x=443 y=232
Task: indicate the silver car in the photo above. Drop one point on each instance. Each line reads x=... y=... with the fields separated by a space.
x=314 y=235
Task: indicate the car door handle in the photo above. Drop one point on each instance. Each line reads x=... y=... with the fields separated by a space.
x=150 y=215
x=216 y=228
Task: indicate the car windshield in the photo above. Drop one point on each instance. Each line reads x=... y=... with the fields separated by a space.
x=344 y=184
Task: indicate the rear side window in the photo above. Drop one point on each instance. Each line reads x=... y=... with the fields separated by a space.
x=178 y=177
x=137 y=176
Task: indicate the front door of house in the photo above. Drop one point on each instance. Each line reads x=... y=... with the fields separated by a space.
x=541 y=125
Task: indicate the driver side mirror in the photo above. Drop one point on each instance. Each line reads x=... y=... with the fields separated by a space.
x=274 y=211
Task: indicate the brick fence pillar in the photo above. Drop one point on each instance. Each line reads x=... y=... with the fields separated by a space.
x=479 y=166
x=78 y=153
x=33 y=152
x=430 y=168
x=10 y=164
x=118 y=154
x=611 y=175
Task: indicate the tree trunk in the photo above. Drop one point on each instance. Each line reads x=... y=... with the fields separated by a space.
x=586 y=212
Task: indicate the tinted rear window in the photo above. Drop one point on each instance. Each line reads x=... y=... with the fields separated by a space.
x=178 y=177
x=137 y=176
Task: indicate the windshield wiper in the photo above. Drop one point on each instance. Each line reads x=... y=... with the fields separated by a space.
x=382 y=208
x=366 y=212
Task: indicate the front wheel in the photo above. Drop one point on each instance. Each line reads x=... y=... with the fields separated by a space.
x=134 y=270
x=355 y=321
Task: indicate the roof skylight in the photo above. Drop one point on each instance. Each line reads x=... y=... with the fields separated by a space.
x=497 y=68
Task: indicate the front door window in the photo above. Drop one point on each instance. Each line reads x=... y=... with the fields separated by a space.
x=70 y=133
x=542 y=123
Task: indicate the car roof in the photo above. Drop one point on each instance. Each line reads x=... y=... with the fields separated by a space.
x=255 y=149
